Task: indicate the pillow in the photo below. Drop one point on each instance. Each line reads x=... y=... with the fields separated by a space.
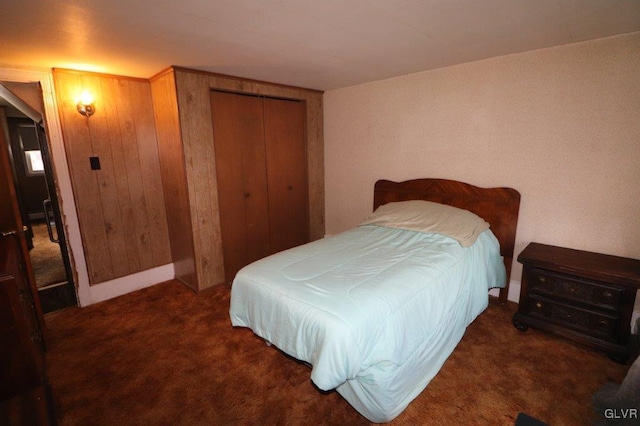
x=430 y=217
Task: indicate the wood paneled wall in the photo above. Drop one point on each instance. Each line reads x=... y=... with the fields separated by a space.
x=192 y=136
x=174 y=179
x=120 y=207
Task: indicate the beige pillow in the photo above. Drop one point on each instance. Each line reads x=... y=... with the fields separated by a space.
x=430 y=217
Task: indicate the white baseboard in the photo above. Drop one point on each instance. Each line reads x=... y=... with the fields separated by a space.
x=120 y=286
x=514 y=291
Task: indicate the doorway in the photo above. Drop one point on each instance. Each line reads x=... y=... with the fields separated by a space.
x=32 y=171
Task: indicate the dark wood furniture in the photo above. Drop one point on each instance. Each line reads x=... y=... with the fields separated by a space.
x=25 y=395
x=587 y=297
x=498 y=206
x=33 y=407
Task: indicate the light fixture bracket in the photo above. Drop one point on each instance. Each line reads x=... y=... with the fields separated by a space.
x=86 y=109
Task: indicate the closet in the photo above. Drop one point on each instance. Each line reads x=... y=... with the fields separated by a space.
x=261 y=170
x=237 y=187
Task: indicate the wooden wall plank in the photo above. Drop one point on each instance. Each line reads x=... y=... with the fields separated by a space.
x=174 y=180
x=315 y=165
x=106 y=189
x=78 y=149
x=119 y=234
x=197 y=136
x=145 y=130
x=129 y=107
x=119 y=140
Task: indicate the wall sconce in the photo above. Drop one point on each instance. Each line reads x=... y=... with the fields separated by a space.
x=85 y=104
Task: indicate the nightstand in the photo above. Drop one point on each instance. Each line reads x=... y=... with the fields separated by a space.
x=583 y=296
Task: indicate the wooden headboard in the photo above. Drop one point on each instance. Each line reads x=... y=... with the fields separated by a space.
x=498 y=206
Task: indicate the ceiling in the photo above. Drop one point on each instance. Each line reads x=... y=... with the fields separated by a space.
x=320 y=44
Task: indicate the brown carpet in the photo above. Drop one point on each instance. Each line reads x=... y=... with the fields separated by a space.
x=164 y=355
x=46 y=258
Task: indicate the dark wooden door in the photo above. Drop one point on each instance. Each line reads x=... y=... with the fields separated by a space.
x=238 y=133
x=284 y=122
x=21 y=319
x=262 y=176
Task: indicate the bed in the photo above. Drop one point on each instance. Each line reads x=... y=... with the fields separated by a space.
x=376 y=310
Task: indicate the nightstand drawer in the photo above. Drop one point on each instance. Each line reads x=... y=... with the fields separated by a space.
x=574 y=289
x=593 y=323
x=583 y=296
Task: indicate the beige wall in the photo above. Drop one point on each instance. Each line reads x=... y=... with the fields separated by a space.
x=560 y=125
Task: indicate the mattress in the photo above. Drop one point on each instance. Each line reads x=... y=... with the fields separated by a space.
x=375 y=311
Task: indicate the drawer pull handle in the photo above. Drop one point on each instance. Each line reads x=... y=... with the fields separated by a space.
x=538 y=305
x=607 y=294
x=572 y=290
x=542 y=279
x=603 y=323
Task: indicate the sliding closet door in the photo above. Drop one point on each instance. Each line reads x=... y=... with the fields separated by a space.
x=284 y=123
x=238 y=132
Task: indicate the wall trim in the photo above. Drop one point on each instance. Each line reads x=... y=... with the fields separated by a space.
x=61 y=171
x=127 y=284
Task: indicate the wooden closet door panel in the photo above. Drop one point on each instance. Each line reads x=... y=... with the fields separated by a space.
x=240 y=167
x=286 y=172
x=224 y=111
x=254 y=172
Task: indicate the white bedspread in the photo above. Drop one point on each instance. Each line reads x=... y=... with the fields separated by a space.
x=376 y=311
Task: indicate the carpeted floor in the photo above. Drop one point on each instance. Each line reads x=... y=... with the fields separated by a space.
x=165 y=355
x=46 y=258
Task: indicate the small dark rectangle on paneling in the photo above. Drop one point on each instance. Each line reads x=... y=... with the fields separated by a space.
x=95 y=163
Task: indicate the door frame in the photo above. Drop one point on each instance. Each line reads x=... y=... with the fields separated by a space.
x=62 y=179
x=67 y=293
x=86 y=293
